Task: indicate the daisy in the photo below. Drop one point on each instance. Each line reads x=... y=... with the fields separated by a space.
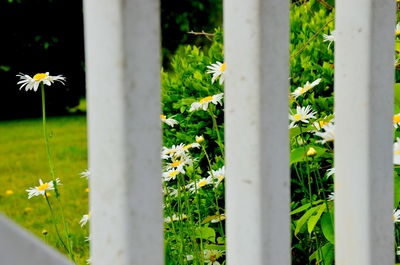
x=396 y=152
x=218 y=70
x=301 y=90
x=302 y=114
x=328 y=135
x=396 y=120
x=193 y=145
x=211 y=256
x=330 y=38
x=171 y=122
x=397 y=30
x=42 y=188
x=217 y=175
x=85 y=219
x=193 y=186
x=320 y=124
x=175 y=150
x=33 y=82
x=85 y=174
x=180 y=164
x=167 y=176
x=174 y=218
x=396 y=216
x=203 y=103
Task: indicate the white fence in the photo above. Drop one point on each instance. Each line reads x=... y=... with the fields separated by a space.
x=123 y=77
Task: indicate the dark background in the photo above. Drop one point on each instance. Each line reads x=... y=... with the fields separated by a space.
x=47 y=36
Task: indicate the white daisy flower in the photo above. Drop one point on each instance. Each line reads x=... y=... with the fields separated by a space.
x=396 y=152
x=308 y=86
x=217 y=175
x=328 y=135
x=33 y=82
x=42 y=188
x=397 y=29
x=174 y=151
x=193 y=186
x=175 y=217
x=180 y=164
x=302 y=114
x=218 y=70
x=396 y=216
x=171 y=122
x=171 y=174
x=396 y=120
x=330 y=38
x=320 y=124
x=85 y=219
x=85 y=174
x=203 y=103
x=211 y=256
x=330 y=172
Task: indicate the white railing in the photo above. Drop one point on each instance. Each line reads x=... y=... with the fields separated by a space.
x=123 y=77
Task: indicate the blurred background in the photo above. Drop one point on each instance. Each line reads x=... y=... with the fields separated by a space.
x=47 y=36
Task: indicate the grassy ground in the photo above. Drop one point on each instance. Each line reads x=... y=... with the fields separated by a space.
x=23 y=162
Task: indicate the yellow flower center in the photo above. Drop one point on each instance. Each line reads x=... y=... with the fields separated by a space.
x=88 y=215
x=43 y=187
x=322 y=123
x=222 y=67
x=397 y=152
x=202 y=183
x=396 y=118
x=297 y=116
x=9 y=192
x=163 y=117
x=175 y=164
x=206 y=99
x=397 y=32
x=213 y=258
x=40 y=76
x=173 y=173
x=220 y=177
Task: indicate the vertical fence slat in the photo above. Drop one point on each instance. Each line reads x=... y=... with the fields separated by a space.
x=18 y=246
x=364 y=76
x=123 y=78
x=256 y=131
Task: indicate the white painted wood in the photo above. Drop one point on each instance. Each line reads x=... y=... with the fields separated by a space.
x=19 y=247
x=256 y=131
x=364 y=77
x=123 y=78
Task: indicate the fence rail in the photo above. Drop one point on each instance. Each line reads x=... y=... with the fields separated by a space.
x=123 y=78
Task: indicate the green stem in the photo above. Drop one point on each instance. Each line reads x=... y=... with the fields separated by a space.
x=219 y=142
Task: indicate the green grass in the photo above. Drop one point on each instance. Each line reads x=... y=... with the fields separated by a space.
x=23 y=162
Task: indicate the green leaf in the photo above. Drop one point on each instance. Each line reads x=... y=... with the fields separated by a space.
x=297 y=155
x=328 y=254
x=315 y=218
x=328 y=228
x=206 y=233
x=304 y=219
x=304 y=207
x=397 y=94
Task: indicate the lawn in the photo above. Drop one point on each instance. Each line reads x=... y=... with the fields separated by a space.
x=23 y=162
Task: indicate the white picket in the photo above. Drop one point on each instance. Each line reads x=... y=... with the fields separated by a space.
x=364 y=77
x=18 y=247
x=256 y=131
x=122 y=48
